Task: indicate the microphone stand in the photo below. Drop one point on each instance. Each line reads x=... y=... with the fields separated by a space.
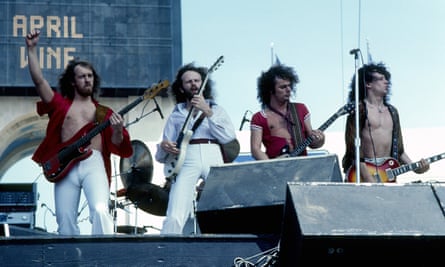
x=115 y=198
x=357 y=119
x=142 y=116
x=244 y=119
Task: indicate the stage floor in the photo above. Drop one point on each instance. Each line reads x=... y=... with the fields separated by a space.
x=35 y=248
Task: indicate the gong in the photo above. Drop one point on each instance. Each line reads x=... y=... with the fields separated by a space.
x=138 y=168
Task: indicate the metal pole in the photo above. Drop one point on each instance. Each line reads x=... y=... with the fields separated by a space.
x=357 y=120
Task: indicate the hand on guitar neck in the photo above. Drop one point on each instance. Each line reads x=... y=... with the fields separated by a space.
x=387 y=171
x=66 y=154
x=317 y=136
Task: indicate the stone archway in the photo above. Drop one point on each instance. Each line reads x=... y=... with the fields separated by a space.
x=20 y=138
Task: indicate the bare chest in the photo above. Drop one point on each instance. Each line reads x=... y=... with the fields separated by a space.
x=278 y=126
x=379 y=120
x=275 y=121
x=76 y=118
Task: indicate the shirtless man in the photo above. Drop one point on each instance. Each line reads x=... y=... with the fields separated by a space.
x=380 y=131
x=71 y=112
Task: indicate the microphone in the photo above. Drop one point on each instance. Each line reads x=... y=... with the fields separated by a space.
x=158 y=108
x=244 y=120
x=354 y=51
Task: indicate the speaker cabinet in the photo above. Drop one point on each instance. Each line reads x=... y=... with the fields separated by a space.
x=248 y=197
x=356 y=224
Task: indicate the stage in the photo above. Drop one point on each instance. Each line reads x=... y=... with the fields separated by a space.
x=32 y=248
x=285 y=212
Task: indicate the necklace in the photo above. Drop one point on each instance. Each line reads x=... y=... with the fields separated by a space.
x=285 y=116
x=379 y=107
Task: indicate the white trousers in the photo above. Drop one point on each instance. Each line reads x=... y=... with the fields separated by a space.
x=89 y=175
x=198 y=160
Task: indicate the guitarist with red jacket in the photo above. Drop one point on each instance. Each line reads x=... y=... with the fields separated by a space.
x=72 y=114
x=380 y=132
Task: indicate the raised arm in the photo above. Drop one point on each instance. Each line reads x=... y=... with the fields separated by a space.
x=42 y=86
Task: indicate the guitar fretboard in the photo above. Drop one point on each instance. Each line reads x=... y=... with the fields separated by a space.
x=409 y=167
x=345 y=109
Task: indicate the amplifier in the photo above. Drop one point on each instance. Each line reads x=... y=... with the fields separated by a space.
x=16 y=197
x=17 y=218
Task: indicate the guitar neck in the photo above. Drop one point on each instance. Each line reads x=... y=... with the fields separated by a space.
x=85 y=139
x=189 y=115
x=130 y=106
x=409 y=167
x=309 y=139
x=184 y=129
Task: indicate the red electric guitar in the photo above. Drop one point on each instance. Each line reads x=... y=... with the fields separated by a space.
x=75 y=149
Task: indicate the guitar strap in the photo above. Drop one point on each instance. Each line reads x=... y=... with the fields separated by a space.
x=395 y=133
x=198 y=122
x=101 y=112
x=293 y=124
x=296 y=130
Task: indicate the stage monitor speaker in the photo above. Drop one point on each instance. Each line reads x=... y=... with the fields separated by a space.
x=439 y=190
x=248 y=197
x=356 y=224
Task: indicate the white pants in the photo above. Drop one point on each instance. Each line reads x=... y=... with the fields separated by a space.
x=376 y=161
x=196 y=165
x=89 y=175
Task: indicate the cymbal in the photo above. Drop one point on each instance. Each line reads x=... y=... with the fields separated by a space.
x=149 y=197
x=138 y=168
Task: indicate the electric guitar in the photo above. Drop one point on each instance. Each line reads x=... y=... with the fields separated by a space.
x=347 y=108
x=75 y=149
x=173 y=163
x=387 y=171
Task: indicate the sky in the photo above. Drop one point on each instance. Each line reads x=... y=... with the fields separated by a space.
x=315 y=38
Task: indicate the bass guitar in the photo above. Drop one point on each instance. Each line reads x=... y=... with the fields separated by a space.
x=173 y=163
x=75 y=149
x=347 y=108
x=387 y=171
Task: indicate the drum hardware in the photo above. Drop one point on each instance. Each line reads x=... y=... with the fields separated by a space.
x=114 y=204
x=120 y=193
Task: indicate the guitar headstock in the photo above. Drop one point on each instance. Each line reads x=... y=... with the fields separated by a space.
x=155 y=89
x=216 y=65
x=347 y=108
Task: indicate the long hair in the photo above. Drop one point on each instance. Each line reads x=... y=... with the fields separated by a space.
x=266 y=82
x=365 y=76
x=179 y=94
x=66 y=79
